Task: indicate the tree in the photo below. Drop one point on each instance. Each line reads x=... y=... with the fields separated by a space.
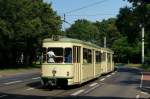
x=23 y=25
x=128 y=22
x=125 y=52
x=83 y=30
x=108 y=29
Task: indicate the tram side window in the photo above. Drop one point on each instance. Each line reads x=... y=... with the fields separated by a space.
x=68 y=55
x=44 y=53
x=112 y=57
x=55 y=55
x=98 y=56
x=104 y=56
x=108 y=57
x=87 y=55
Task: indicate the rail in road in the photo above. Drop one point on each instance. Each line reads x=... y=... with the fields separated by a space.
x=123 y=83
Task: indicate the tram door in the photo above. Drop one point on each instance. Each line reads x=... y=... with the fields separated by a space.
x=77 y=63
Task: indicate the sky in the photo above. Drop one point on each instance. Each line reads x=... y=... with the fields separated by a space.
x=92 y=10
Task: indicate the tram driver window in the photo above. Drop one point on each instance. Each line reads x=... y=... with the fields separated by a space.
x=55 y=55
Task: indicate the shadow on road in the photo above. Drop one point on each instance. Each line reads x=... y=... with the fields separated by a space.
x=129 y=70
x=37 y=85
x=131 y=82
x=133 y=76
x=14 y=96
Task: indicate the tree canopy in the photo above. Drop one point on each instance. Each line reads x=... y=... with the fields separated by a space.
x=83 y=30
x=130 y=20
x=23 y=25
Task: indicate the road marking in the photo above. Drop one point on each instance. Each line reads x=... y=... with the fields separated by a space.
x=78 y=92
x=108 y=75
x=3 y=96
x=91 y=89
x=137 y=96
x=13 y=82
x=102 y=79
x=93 y=84
x=36 y=78
x=141 y=80
x=144 y=93
x=113 y=73
x=29 y=89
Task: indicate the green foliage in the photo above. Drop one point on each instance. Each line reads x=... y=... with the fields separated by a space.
x=94 y=32
x=128 y=24
x=23 y=25
x=146 y=67
x=108 y=29
x=126 y=52
x=84 y=30
x=129 y=21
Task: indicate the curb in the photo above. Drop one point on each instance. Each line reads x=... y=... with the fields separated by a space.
x=146 y=89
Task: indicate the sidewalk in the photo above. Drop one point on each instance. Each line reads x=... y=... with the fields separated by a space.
x=146 y=82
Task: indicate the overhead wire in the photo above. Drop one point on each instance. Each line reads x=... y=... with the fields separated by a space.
x=91 y=14
x=86 y=6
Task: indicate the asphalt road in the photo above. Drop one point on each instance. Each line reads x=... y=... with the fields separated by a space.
x=121 y=84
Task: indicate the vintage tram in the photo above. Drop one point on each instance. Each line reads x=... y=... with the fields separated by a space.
x=75 y=61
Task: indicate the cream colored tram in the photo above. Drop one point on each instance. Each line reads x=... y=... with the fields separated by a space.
x=87 y=61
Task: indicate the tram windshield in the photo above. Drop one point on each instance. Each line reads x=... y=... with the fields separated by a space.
x=57 y=55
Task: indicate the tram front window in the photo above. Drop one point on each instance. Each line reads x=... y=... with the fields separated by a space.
x=58 y=55
x=55 y=55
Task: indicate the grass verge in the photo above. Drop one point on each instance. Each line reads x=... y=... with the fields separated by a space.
x=146 y=67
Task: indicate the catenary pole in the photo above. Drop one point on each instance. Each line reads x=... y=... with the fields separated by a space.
x=143 y=44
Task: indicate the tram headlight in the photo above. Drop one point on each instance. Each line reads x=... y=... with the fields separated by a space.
x=53 y=72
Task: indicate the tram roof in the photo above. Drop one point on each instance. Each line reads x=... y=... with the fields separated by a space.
x=71 y=40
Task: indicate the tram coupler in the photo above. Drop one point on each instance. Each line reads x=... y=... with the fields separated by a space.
x=45 y=81
x=52 y=82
